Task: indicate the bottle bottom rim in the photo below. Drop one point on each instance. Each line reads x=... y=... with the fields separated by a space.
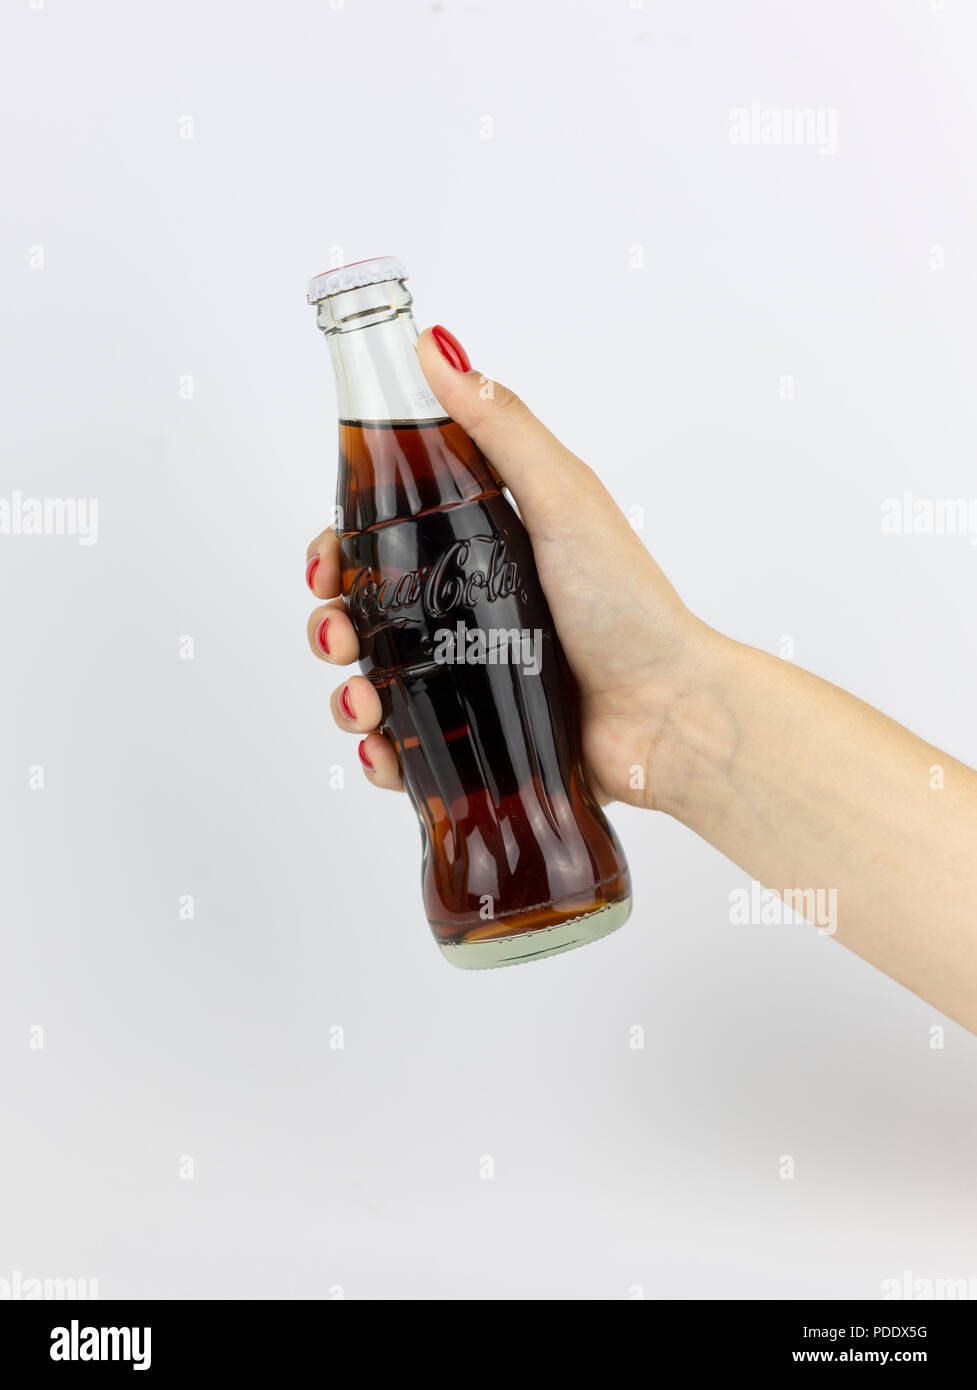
x=523 y=947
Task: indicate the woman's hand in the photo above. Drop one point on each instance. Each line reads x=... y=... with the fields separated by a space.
x=631 y=643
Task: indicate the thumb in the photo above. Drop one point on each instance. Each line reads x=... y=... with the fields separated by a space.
x=548 y=482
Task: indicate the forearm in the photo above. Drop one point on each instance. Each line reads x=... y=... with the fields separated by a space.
x=807 y=788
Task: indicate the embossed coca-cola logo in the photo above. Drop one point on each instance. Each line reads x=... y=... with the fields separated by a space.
x=470 y=571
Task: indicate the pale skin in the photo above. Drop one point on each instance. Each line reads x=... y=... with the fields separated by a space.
x=799 y=783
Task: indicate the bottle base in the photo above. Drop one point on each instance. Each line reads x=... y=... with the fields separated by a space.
x=537 y=945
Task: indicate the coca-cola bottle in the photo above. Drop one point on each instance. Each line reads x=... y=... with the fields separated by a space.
x=456 y=636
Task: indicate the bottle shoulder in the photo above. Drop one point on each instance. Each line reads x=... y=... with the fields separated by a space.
x=395 y=470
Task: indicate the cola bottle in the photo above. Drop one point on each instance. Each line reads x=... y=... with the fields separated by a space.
x=456 y=636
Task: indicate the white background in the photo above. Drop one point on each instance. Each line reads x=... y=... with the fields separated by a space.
x=361 y=128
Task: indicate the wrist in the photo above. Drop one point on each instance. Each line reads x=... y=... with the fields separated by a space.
x=695 y=730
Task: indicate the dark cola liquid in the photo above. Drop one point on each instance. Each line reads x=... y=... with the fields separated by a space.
x=490 y=749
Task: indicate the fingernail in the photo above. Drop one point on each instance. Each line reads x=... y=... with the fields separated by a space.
x=345 y=704
x=321 y=636
x=450 y=348
x=310 y=570
x=363 y=758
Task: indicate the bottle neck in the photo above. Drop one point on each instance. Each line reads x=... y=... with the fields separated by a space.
x=372 y=340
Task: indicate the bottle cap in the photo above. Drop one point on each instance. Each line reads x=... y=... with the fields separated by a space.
x=355 y=276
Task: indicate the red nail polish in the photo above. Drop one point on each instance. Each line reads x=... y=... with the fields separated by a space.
x=345 y=704
x=321 y=636
x=451 y=350
x=363 y=758
x=310 y=570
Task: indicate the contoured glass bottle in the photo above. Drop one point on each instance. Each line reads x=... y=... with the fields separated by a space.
x=518 y=859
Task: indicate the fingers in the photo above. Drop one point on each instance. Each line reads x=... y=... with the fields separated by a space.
x=322 y=568
x=332 y=636
x=356 y=709
x=560 y=499
x=356 y=706
x=533 y=463
x=379 y=761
